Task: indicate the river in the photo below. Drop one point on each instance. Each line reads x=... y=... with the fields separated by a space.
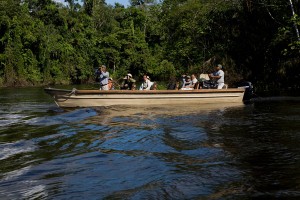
x=185 y=152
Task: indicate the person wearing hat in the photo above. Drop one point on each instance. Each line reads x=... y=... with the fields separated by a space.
x=103 y=77
x=187 y=83
x=218 y=76
x=128 y=82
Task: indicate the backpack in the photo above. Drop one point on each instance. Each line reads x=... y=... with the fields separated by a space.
x=210 y=84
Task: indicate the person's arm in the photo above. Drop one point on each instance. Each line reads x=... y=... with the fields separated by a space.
x=132 y=80
x=217 y=77
x=105 y=74
x=214 y=76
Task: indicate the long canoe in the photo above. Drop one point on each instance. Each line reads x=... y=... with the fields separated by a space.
x=92 y=98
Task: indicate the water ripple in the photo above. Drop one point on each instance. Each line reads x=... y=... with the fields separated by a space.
x=189 y=152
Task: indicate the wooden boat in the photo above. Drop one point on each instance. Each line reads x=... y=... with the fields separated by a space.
x=91 y=98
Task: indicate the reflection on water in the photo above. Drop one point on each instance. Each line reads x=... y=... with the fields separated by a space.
x=184 y=152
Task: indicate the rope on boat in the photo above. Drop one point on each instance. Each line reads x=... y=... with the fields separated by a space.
x=72 y=92
x=61 y=99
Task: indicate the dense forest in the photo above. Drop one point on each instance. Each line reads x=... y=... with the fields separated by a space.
x=43 y=42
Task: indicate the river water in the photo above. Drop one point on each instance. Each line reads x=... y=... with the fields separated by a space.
x=184 y=152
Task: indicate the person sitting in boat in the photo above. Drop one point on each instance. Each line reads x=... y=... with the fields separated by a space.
x=128 y=83
x=103 y=77
x=218 y=76
x=183 y=80
x=173 y=84
x=110 y=84
x=194 y=81
x=146 y=85
x=133 y=87
x=202 y=79
x=154 y=86
x=188 y=82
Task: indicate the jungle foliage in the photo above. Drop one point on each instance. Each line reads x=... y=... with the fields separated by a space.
x=43 y=42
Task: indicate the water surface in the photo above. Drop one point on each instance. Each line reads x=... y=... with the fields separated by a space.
x=184 y=152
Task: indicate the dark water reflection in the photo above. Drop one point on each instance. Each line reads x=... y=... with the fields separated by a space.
x=187 y=152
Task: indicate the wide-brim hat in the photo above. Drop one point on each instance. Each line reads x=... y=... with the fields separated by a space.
x=128 y=75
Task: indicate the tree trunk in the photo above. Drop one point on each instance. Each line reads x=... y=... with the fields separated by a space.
x=294 y=14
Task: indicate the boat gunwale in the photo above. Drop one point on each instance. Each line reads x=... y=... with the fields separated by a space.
x=142 y=92
x=76 y=91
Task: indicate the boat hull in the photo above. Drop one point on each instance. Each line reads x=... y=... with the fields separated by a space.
x=91 y=98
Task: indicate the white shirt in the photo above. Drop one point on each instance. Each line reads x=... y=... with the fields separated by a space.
x=219 y=73
x=146 y=85
x=194 y=80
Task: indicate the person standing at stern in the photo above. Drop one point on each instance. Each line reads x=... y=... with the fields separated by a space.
x=218 y=76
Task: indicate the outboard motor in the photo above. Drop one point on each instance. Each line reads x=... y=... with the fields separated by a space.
x=249 y=92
